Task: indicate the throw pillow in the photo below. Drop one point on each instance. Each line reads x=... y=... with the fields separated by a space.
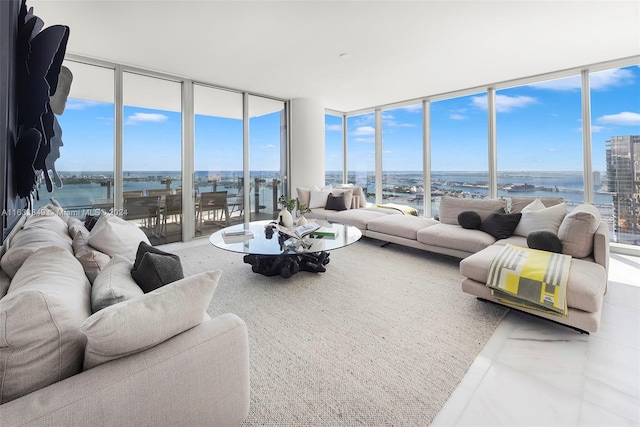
x=90 y=221
x=577 y=229
x=470 y=220
x=348 y=196
x=500 y=225
x=536 y=217
x=335 y=202
x=544 y=241
x=113 y=235
x=154 y=270
x=318 y=198
x=92 y=260
x=451 y=207
x=40 y=339
x=141 y=323
x=304 y=195
x=114 y=284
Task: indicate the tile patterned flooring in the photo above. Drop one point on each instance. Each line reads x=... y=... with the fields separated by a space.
x=545 y=374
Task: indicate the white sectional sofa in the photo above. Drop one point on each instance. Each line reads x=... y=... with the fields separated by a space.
x=146 y=359
x=582 y=227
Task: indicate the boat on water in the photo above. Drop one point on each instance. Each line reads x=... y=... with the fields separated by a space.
x=520 y=188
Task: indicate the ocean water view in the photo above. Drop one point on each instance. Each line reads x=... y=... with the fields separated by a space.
x=81 y=189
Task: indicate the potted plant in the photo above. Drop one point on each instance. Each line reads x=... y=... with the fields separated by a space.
x=302 y=209
x=284 y=217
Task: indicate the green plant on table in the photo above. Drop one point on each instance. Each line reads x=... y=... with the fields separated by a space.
x=288 y=204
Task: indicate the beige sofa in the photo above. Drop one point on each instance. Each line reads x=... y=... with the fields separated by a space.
x=152 y=359
x=477 y=249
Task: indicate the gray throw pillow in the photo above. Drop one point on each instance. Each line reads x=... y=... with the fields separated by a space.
x=470 y=220
x=500 y=225
x=544 y=241
x=154 y=268
x=335 y=203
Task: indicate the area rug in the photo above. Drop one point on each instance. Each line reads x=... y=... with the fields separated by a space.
x=382 y=338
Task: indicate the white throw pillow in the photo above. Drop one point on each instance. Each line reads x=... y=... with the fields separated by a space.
x=141 y=323
x=40 y=339
x=319 y=197
x=92 y=260
x=536 y=217
x=113 y=235
x=114 y=284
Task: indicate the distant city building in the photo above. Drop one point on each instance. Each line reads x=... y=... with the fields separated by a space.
x=597 y=178
x=623 y=180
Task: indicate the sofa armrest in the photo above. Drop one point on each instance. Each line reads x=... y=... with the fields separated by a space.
x=601 y=245
x=199 y=377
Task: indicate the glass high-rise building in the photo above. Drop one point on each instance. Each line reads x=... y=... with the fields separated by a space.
x=623 y=180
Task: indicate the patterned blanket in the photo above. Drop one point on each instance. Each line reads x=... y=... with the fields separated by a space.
x=531 y=278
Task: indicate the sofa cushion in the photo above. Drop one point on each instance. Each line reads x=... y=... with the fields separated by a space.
x=406 y=226
x=356 y=217
x=455 y=237
x=92 y=260
x=113 y=235
x=500 y=225
x=585 y=288
x=336 y=202
x=577 y=229
x=39 y=231
x=544 y=241
x=537 y=217
x=140 y=323
x=451 y=207
x=470 y=220
x=114 y=284
x=40 y=317
x=155 y=268
x=519 y=203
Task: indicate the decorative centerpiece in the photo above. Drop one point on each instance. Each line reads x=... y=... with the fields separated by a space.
x=302 y=209
x=285 y=218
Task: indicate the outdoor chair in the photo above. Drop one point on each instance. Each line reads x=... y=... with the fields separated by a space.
x=214 y=203
x=145 y=208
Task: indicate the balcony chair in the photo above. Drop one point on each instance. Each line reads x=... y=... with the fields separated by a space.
x=216 y=202
x=146 y=208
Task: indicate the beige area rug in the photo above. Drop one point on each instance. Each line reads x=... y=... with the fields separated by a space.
x=381 y=339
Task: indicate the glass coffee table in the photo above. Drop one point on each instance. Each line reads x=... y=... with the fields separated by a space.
x=271 y=253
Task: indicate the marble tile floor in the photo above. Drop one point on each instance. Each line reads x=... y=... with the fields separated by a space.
x=533 y=372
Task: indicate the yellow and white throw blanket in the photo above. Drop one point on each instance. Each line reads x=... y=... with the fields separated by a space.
x=404 y=209
x=531 y=278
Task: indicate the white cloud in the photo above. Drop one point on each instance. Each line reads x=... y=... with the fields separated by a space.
x=416 y=108
x=80 y=104
x=333 y=128
x=365 y=140
x=504 y=103
x=600 y=80
x=146 y=118
x=364 y=131
x=596 y=129
x=625 y=118
x=456 y=116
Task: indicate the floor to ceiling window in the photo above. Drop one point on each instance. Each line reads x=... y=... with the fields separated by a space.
x=459 y=160
x=615 y=138
x=402 y=177
x=267 y=155
x=334 y=153
x=539 y=139
x=218 y=157
x=85 y=165
x=361 y=161
x=151 y=160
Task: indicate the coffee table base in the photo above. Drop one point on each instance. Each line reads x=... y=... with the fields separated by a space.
x=286 y=265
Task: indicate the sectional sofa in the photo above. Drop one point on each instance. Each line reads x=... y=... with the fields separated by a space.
x=581 y=232
x=80 y=345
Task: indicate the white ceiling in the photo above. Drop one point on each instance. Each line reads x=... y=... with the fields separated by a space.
x=399 y=50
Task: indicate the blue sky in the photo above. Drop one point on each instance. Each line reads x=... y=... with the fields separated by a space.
x=539 y=128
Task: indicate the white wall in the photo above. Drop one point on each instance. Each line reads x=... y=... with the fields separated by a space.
x=307 y=143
